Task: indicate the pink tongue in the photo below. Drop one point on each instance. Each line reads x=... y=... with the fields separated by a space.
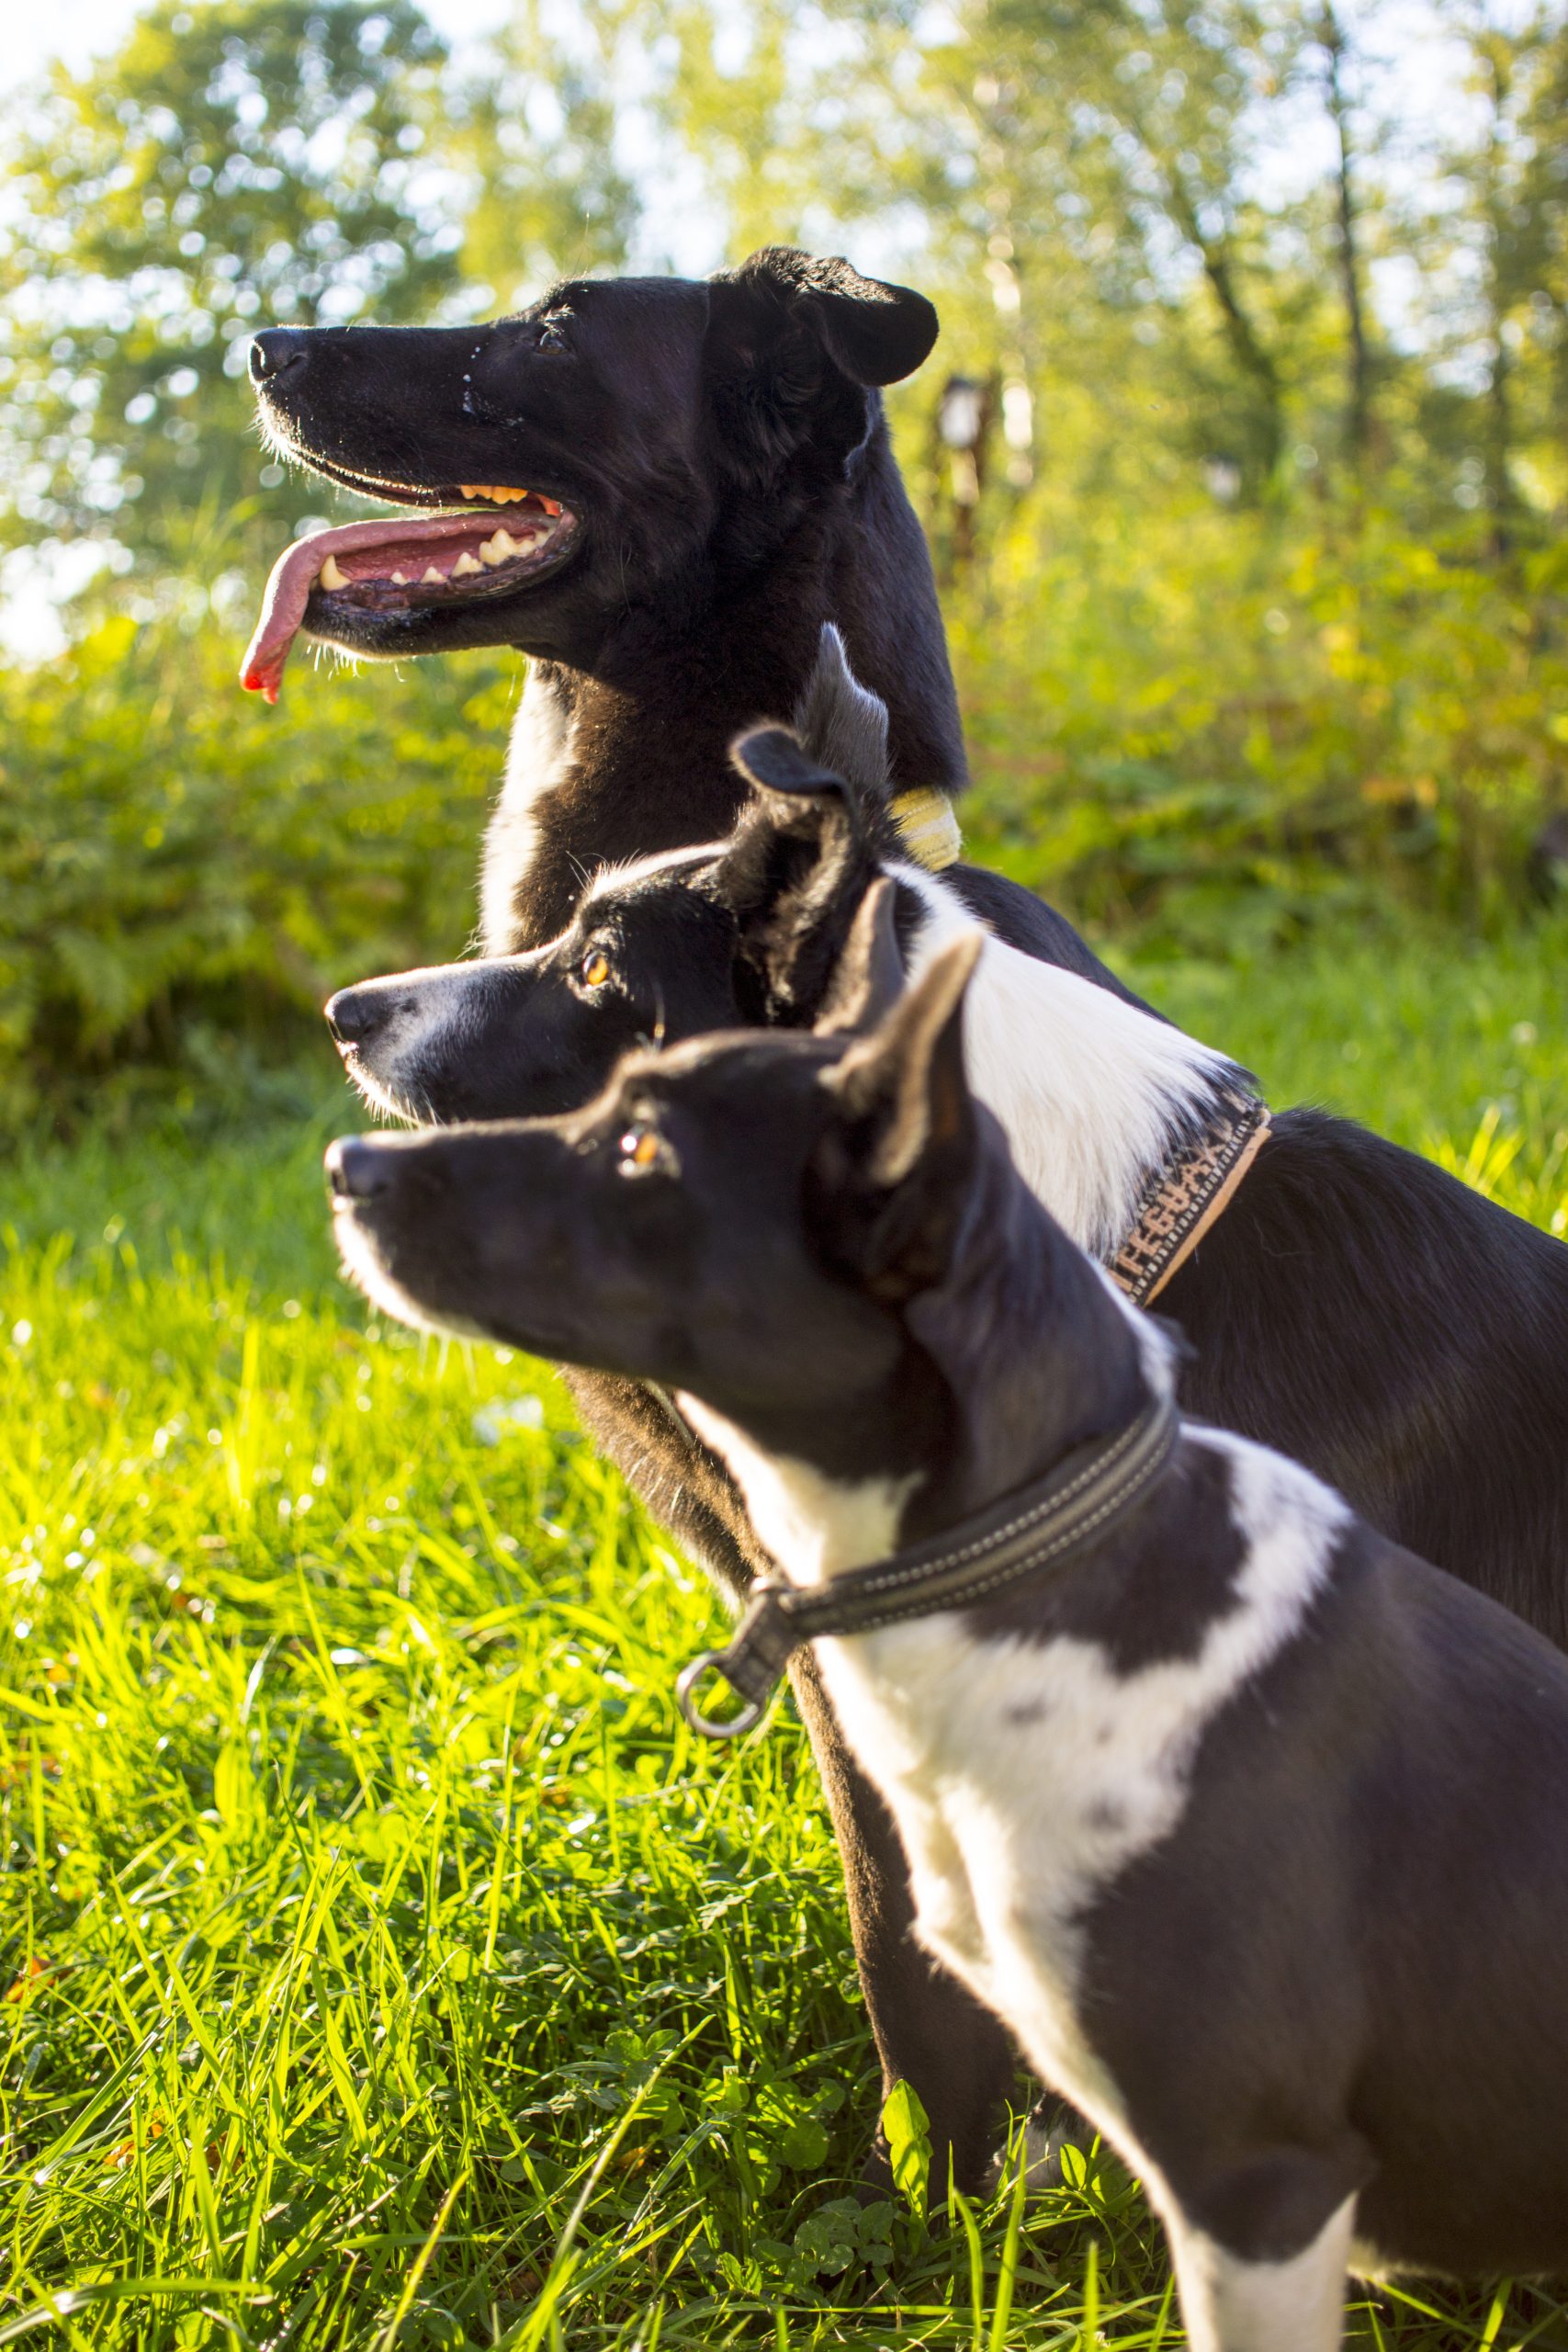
x=294 y=576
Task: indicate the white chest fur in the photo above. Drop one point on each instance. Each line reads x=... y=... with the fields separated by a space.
x=537 y=760
x=1025 y=1777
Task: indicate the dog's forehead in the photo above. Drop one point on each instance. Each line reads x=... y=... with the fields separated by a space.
x=728 y=1068
x=619 y=303
x=649 y=881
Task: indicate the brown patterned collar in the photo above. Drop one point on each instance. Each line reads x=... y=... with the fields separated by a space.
x=1185 y=1197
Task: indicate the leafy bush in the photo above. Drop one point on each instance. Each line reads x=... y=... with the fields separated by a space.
x=171 y=853
x=1215 y=734
x=1208 y=732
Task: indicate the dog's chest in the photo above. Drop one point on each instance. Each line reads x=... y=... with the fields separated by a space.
x=538 y=761
x=1026 y=1776
x=1022 y=1780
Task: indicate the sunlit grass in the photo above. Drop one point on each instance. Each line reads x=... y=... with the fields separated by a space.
x=381 y=1962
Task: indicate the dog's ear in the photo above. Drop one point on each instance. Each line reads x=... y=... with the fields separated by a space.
x=842 y=723
x=888 y=1177
x=870 y=977
x=775 y=760
x=794 y=338
x=873 y=333
x=797 y=865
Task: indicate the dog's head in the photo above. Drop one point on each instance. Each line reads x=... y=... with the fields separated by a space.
x=744 y=1217
x=747 y=931
x=622 y=444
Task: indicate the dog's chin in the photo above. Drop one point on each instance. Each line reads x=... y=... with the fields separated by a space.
x=383 y=1098
x=364 y=1267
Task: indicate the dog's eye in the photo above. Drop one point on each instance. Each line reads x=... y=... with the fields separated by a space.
x=552 y=336
x=596 y=969
x=643 y=1150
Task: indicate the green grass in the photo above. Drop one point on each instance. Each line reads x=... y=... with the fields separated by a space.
x=386 y=1964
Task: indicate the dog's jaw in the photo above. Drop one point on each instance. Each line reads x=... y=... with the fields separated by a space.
x=368 y=586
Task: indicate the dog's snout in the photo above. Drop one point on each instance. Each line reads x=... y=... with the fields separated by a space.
x=354 y=1015
x=358 y=1169
x=278 y=348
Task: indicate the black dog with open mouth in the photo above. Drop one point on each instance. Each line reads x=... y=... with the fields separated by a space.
x=660 y=489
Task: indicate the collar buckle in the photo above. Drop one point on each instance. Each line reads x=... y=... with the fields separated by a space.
x=716 y=1727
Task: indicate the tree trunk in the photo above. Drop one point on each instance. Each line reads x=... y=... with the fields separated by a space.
x=1358 y=388
x=1499 y=428
x=1251 y=353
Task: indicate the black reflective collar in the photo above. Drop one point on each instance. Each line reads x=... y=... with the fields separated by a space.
x=1031 y=1530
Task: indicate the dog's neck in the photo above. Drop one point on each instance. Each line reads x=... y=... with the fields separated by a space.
x=1022 y=1353
x=630 y=755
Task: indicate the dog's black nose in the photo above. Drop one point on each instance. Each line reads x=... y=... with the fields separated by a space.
x=278 y=348
x=358 y=1169
x=356 y=1014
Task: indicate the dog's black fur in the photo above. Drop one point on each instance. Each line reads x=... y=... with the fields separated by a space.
x=1335 y=1973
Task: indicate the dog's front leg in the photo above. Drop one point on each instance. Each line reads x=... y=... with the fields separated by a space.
x=929 y=2031
x=1230 y=2302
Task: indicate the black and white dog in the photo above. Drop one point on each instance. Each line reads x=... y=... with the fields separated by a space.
x=1401 y=1335
x=1247 y=1822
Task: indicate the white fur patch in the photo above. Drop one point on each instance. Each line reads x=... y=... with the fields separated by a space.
x=1229 y=2305
x=1088 y=1089
x=536 y=761
x=1077 y=1767
x=815 y=1524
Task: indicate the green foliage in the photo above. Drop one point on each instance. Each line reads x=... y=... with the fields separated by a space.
x=537 y=133
x=1217 y=734
x=381 y=1961
x=905 y=2127
x=172 y=852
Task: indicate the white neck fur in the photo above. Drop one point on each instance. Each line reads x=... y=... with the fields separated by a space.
x=1088 y=1089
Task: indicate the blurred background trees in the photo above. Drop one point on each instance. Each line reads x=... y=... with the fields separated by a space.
x=232 y=163
x=1244 y=454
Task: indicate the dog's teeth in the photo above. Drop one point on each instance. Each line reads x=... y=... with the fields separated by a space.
x=499 y=549
x=472 y=489
x=550 y=505
x=465 y=565
x=432 y=578
x=400 y=580
x=332 y=574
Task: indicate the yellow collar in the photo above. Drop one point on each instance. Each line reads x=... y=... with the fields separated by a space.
x=924 y=816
